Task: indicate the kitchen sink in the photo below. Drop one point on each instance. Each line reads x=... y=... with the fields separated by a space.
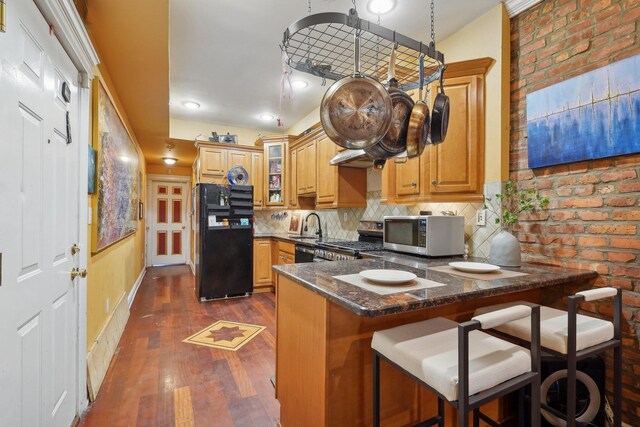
x=303 y=237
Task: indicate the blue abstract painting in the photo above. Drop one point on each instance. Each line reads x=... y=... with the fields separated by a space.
x=591 y=116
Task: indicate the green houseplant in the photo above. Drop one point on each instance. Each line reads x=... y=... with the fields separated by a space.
x=510 y=203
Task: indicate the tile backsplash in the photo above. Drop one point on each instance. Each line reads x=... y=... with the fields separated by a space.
x=342 y=223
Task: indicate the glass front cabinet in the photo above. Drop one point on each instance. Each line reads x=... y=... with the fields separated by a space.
x=275 y=170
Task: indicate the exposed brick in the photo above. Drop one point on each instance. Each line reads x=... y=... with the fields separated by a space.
x=632 y=14
x=587 y=190
x=625 y=243
x=627 y=271
x=565 y=252
x=598 y=6
x=617 y=176
x=564 y=191
x=592 y=241
x=623 y=257
x=531 y=47
x=624 y=30
x=626 y=215
x=593 y=216
x=610 y=50
x=589 y=179
x=566 y=228
x=622 y=201
x=606 y=189
x=629 y=187
x=592 y=255
x=612 y=229
x=587 y=202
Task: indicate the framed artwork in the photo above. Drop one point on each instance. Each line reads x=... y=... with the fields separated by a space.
x=92 y=170
x=116 y=205
x=295 y=224
x=591 y=116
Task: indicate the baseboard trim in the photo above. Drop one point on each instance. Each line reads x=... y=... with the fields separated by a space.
x=193 y=267
x=104 y=347
x=134 y=290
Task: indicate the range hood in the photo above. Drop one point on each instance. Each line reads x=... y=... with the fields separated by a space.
x=358 y=159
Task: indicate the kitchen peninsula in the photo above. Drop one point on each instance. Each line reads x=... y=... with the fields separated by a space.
x=324 y=329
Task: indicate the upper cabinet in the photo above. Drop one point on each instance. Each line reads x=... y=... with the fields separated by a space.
x=213 y=164
x=256 y=178
x=452 y=171
x=275 y=164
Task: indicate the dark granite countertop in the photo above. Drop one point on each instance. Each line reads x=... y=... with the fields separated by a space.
x=310 y=241
x=318 y=277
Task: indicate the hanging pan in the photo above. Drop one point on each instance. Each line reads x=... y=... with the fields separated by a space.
x=440 y=114
x=395 y=140
x=356 y=111
x=418 y=132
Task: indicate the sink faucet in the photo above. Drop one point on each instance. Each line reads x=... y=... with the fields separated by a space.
x=319 y=232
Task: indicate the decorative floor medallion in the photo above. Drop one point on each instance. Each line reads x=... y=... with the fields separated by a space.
x=225 y=335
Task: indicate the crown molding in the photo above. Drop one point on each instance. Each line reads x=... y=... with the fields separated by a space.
x=515 y=7
x=72 y=34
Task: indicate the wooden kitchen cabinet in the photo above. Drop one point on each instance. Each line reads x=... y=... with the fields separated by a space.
x=275 y=172
x=337 y=186
x=306 y=169
x=262 y=275
x=239 y=158
x=452 y=171
x=256 y=178
x=213 y=164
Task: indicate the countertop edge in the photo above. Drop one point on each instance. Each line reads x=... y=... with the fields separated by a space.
x=576 y=275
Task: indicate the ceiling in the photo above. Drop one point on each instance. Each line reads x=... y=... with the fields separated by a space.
x=225 y=54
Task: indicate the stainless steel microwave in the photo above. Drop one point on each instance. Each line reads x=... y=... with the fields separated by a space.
x=427 y=235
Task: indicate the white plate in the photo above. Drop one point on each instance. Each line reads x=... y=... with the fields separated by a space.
x=474 y=267
x=388 y=277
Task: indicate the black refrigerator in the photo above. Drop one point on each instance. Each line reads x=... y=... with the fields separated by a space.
x=224 y=241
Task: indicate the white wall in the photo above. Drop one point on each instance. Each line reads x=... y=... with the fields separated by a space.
x=187 y=129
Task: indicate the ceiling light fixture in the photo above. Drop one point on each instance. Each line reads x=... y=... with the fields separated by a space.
x=380 y=7
x=299 y=84
x=169 y=160
x=191 y=105
x=267 y=117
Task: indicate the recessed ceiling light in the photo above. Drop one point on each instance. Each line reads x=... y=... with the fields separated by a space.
x=380 y=7
x=299 y=84
x=191 y=105
x=169 y=160
x=267 y=117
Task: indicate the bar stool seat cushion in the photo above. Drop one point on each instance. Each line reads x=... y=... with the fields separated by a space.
x=429 y=351
x=590 y=331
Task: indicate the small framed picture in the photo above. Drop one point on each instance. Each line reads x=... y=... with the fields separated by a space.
x=140 y=210
x=295 y=224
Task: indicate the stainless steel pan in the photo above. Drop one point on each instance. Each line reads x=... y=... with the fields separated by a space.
x=418 y=132
x=356 y=111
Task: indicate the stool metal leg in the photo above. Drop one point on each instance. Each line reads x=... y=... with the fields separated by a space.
x=617 y=361
x=476 y=417
x=571 y=362
x=441 y=411
x=376 y=390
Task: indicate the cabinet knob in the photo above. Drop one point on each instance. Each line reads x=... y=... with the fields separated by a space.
x=413 y=184
x=434 y=182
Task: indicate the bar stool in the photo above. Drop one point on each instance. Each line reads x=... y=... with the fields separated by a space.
x=574 y=337
x=461 y=364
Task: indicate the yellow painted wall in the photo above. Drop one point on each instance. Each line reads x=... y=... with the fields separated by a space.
x=488 y=36
x=169 y=170
x=113 y=271
x=305 y=123
x=187 y=129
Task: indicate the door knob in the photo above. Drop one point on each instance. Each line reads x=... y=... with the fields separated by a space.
x=76 y=272
x=74 y=249
x=183 y=227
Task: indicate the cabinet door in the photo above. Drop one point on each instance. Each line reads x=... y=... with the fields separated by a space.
x=262 y=262
x=239 y=158
x=301 y=174
x=214 y=162
x=326 y=187
x=408 y=177
x=275 y=165
x=310 y=167
x=454 y=163
x=285 y=258
x=293 y=173
x=256 y=178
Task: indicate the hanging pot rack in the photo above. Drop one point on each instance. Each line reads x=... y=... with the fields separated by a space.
x=322 y=45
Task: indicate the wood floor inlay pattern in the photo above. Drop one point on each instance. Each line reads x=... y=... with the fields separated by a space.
x=225 y=335
x=155 y=379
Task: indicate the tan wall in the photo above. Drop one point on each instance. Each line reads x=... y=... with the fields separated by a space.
x=169 y=170
x=305 y=123
x=113 y=271
x=488 y=36
x=187 y=129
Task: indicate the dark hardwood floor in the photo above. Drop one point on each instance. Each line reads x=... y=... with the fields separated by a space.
x=157 y=380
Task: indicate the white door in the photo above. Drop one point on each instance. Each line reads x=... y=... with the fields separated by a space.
x=167 y=223
x=39 y=208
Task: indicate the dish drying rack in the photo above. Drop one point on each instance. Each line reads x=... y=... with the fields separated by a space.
x=322 y=45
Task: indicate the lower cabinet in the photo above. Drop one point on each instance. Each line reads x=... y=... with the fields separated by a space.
x=262 y=275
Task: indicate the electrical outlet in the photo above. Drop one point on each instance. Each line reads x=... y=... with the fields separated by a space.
x=481 y=217
x=106 y=305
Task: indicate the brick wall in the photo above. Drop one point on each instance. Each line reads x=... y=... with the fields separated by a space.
x=593 y=220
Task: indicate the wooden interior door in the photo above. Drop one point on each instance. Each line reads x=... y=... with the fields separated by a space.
x=39 y=193
x=167 y=223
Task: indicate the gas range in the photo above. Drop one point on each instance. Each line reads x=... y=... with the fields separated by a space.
x=370 y=240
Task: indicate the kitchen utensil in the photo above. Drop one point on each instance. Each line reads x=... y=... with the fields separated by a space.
x=440 y=114
x=388 y=277
x=395 y=140
x=474 y=267
x=418 y=132
x=356 y=111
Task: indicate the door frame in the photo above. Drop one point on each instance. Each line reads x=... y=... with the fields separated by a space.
x=151 y=178
x=72 y=34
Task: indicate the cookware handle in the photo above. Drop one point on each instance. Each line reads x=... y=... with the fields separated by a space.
x=392 y=63
x=442 y=81
x=421 y=71
x=356 y=53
